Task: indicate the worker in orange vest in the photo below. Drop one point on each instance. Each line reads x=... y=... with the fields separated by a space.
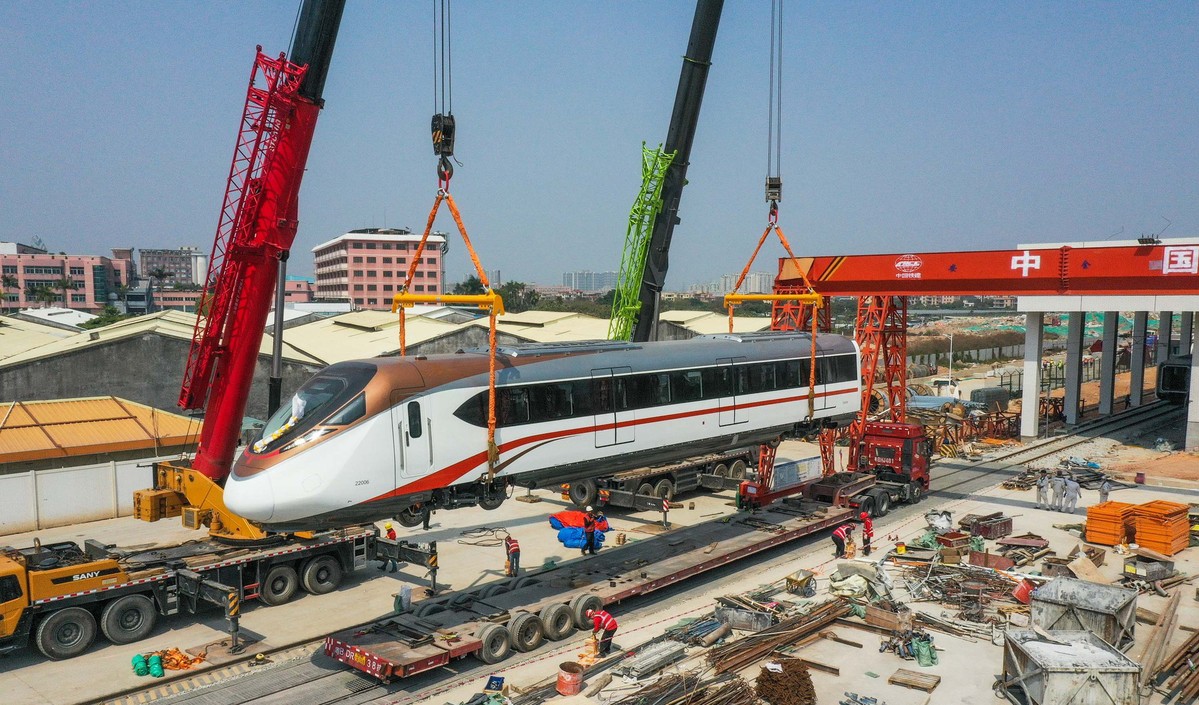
x=389 y=563
x=840 y=535
x=513 y=549
x=867 y=532
x=606 y=623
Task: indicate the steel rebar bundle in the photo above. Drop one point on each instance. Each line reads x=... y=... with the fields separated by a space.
x=750 y=649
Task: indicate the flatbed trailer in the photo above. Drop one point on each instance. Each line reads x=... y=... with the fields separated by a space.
x=645 y=488
x=491 y=621
x=61 y=595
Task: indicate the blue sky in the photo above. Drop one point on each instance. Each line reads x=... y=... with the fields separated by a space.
x=913 y=126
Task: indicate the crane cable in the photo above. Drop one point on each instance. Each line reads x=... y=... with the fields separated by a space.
x=443 y=127
x=774 y=112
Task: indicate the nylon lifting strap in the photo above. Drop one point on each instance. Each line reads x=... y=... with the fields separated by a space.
x=490 y=300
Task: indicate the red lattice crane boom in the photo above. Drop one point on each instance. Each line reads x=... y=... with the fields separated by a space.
x=257 y=226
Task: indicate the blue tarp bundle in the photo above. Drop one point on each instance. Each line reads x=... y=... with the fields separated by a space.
x=571 y=537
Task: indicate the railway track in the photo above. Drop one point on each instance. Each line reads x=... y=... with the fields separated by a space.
x=300 y=672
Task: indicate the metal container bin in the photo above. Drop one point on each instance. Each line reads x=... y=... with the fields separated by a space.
x=1108 y=612
x=1077 y=668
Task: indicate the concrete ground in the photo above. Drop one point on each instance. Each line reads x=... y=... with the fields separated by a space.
x=967 y=668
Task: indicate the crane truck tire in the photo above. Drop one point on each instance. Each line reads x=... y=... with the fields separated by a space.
x=664 y=489
x=579 y=607
x=557 y=622
x=583 y=493
x=279 y=585
x=527 y=632
x=321 y=575
x=646 y=489
x=497 y=643
x=721 y=470
x=128 y=619
x=737 y=470
x=66 y=633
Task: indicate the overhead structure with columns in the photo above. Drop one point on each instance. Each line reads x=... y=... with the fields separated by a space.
x=1140 y=276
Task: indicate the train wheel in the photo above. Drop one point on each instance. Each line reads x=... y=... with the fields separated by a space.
x=527 y=632
x=492 y=496
x=583 y=493
x=579 y=607
x=279 y=585
x=497 y=643
x=557 y=622
x=66 y=633
x=321 y=575
x=646 y=489
x=412 y=516
x=737 y=470
x=128 y=619
x=664 y=489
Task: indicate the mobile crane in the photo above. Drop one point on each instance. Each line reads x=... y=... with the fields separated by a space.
x=60 y=595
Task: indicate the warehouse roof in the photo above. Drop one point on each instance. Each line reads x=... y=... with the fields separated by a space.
x=708 y=323
x=18 y=336
x=35 y=430
x=549 y=326
x=362 y=334
x=173 y=324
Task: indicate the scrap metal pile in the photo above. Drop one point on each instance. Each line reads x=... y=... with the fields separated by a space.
x=785 y=682
x=689 y=689
x=750 y=649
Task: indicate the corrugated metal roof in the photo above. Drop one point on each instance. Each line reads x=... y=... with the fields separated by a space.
x=549 y=326
x=18 y=336
x=362 y=334
x=173 y=324
x=35 y=430
x=708 y=323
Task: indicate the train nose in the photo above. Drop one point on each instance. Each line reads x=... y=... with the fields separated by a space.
x=250 y=497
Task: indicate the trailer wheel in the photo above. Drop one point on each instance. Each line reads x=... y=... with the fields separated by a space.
x=583 y=493
x=128 y=619
x=321 y=575
x=882 y=503
x=737 y=470
x=426 y=609
x=66 y=633
x=497 y=643
x=915 y=492
x=557 y=622
x=527 y=632
x=279 y=585
x=664 y=489
x=412 y=516
x=579 y=607
x=646 y=489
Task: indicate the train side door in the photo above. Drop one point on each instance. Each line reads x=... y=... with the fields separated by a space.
x=731 y=381
x=612 y=416
x=413 y=436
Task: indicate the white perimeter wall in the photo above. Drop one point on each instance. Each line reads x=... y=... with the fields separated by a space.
x=40 y=499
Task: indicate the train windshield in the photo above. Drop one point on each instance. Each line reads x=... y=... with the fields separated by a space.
x=319 y=401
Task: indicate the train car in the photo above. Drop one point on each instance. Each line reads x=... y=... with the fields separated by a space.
x=1174 y=379
x=396 y=437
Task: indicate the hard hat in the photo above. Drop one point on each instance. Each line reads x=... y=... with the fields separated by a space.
x=590 y=612
x=864 y=515
x=590 y=508
x=387 y=525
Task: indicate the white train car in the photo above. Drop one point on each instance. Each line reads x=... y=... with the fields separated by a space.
x=396 y=437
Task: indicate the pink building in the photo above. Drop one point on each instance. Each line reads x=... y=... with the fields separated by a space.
x=34 y=277
x=299 y=290
x=367 y=267
x=177 y=299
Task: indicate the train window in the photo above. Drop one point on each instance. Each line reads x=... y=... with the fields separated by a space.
x=350 y=412
x=761 y=378
x=622 y=393
x=474 y=410
x=602 y=394
x=787 y=374
x=414 y=423
x=845 y=368
x=10 y=588
x=512 y=406
x=686 y=386
x=550 y=401
x=659 y=388
x=805 y=372
x=715 y=379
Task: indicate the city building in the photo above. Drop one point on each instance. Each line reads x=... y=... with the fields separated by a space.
x=33 y=277
x=587 y=280
x=367 y=267
x=755 y=283
x=299 y=290
x=186 y=265
x=185 y=300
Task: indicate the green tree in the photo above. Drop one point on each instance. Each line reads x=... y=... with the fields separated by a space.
x=108 y=315
x=66 y=285
x=41 y=293
x=8 y=281
x=518 y=297
x=472 y=286
x=158 y=276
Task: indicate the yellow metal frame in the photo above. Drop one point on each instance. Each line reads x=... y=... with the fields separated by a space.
x=204 y=500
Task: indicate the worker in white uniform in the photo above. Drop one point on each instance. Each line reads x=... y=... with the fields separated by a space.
x=1072 y=493
x=1043 y=490
x=1058 y=484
